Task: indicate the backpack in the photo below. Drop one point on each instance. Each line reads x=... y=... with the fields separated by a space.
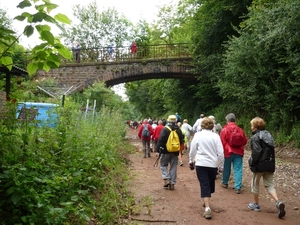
x=145 y=132
x=173 y=142
x=236 y=138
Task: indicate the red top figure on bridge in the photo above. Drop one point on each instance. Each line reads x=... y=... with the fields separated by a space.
x=133 y=49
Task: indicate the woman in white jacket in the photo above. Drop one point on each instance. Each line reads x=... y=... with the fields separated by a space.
x=207 y=152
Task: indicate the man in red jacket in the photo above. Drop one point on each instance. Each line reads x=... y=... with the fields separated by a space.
x=145 y=139
x=233 y=152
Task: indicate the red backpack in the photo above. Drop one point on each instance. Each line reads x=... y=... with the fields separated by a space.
x=236 y=139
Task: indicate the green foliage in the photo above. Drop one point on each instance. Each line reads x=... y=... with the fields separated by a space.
x=96 y=29
x=44 y=56
x=262 y=65
x=174 y=23
x=64 y=175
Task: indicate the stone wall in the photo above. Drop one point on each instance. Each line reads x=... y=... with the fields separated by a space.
x=113 y=73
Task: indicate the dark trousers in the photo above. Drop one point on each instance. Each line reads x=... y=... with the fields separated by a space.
x=206 y=177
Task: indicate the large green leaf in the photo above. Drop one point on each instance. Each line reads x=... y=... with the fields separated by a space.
x=50 y=19
x=7 y=61
x=32 y=68
x=65 y=52
x=38 y=17
x=48 y=36
x=53 y=64
x=54 y=57
x=28 y=30
x=16 y=197
x=62 y=18
x=24 y=4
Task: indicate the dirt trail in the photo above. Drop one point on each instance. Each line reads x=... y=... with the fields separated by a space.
x=155 y=205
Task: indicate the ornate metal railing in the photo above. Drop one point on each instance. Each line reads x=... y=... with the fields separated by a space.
x=123 y=53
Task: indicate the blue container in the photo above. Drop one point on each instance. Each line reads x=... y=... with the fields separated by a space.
x=44 y=114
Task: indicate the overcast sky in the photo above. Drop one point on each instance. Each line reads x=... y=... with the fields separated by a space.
x=132 y=9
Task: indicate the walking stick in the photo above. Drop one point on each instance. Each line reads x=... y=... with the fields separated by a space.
x=156 y=161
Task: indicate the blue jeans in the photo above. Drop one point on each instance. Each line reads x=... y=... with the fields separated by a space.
x=237 y=163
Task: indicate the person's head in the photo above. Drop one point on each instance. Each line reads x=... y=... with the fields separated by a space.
x=212 y=117
x=185 y=121
x=207 y=123
x=179 y=124
x=257 y=123
x=230 y=117
x=145 y=120
x=172 y=119
x=160 y=122
x=201 y=115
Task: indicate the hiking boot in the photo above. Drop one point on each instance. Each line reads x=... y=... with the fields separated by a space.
x=171 y=187
x=207 y=214
x=167 y=183
x=224 y=185
x=237 y=191
x=254 y=206
x=181 y=163
x=148 y=154
x=280 y=207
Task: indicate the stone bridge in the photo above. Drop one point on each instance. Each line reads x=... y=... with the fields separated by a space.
x=80 y=75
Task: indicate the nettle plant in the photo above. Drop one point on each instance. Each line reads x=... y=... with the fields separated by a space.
x=64 y=175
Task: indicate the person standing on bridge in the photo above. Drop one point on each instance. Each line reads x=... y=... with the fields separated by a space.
x=133 y=49
x=77 y=52
x=110 y=52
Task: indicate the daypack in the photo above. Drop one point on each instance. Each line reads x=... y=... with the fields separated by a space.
x=236 y=138
x=173 y=142
x=145 y=132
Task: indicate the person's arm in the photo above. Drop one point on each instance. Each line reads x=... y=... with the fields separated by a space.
x=220 y=152
x=193 y=149
x=195 y=126
x=162 y=139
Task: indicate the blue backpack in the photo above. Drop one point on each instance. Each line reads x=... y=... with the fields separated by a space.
x=145 y=132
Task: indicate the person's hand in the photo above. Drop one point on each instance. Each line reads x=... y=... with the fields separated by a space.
x=192 y=165
x=220 y=170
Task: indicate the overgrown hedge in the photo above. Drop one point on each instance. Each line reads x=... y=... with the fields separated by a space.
x=69 y=174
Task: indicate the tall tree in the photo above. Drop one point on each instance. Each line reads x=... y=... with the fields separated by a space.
x=94 y=29
x=214 y=23
x=262 y=65
x=173 y=23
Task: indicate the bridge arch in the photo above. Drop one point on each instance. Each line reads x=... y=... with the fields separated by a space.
x=112 y=73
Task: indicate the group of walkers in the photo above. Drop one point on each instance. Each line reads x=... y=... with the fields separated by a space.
x=214 y=150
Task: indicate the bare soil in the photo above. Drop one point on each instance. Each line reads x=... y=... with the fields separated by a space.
x=155 y=205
